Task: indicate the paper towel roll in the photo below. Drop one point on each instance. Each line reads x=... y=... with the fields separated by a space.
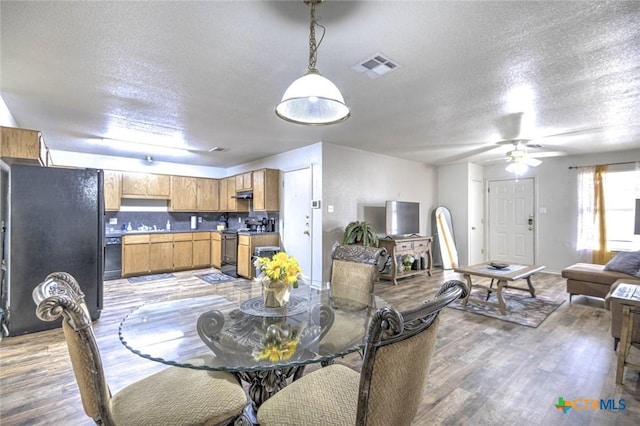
x=194 y=222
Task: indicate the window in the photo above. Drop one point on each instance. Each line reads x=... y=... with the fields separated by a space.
x=621 y=189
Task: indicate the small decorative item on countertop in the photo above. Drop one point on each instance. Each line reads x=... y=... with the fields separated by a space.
x=168 y=226
x=129 y=228
x=277 y=275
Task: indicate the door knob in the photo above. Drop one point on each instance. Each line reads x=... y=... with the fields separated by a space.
x=473 y=228
x=531 y=228
x=306 y=233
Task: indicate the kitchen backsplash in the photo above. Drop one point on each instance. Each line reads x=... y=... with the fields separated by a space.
x=181 y=221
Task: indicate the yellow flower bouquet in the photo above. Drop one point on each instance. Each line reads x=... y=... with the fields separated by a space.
x=277 y=275
x=279 y=343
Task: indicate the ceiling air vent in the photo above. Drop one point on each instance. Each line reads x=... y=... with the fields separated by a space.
x=375 y=66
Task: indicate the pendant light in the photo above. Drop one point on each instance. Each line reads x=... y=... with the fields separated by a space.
x=313 y=99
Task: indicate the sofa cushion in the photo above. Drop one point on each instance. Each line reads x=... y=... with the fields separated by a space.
x=593 y=273
x=627 y=262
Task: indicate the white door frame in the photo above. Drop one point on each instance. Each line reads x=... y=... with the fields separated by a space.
x=299 y=225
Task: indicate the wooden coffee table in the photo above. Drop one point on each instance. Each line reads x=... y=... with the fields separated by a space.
x=501 y=277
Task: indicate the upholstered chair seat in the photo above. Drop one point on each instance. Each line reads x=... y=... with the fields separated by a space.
x=173 y=396
x=389 y=388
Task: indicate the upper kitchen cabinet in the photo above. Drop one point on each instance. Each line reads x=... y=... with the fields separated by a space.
x=24 y=146
x=145 y=185
x=234 y=204
x=112 y=190
x=184 y=193
x=266 y=190
x=223 y=196
x=244 y=181
x=207 y=197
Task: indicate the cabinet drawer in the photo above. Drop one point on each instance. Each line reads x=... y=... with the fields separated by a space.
x=244 y=240
x=197 y=236
x=185 y=236
x=407 y=245
x=421 y=244
x=135 y=239
x=162 y=238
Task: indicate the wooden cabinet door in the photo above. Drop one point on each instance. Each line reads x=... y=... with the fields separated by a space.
x=216 y=250
x=244 y=260
x=231 y=192
x=266 y=190
x=207 y=195
x=244 y=181
x=182 y=251
x=161 y=252
x=145 y=185
x=223 y=197
x=183 y=193
x=135 y=255
x=112 y=190
x=22 y=144
x=201 y=250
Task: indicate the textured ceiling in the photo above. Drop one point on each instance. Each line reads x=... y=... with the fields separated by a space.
x=205 y=74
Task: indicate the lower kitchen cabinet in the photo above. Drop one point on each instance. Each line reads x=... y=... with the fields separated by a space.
x=183 y=250
x=160 y=252
x=201 y=249
x=135 y=255
x=246 y=247
x=216 y=250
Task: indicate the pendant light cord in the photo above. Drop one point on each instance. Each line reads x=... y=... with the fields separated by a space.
x=313 y=46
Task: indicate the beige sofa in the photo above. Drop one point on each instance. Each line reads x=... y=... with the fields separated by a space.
x=591 y=280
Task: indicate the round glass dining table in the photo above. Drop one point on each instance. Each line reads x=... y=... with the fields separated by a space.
x=234 y=332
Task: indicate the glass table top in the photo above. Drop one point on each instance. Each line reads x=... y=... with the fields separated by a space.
x=235 y=332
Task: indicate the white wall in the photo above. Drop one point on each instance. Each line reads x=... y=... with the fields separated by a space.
x=6 y=118
x=354 y=179
x=556 y=191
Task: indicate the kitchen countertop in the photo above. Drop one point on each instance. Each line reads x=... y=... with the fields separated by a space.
x=157 y=231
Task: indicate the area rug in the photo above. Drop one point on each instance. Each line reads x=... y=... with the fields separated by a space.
x=215 y=277
x=521 y=307
x=145 y=278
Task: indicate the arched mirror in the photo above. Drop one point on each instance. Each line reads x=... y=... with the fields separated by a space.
x=445 y=253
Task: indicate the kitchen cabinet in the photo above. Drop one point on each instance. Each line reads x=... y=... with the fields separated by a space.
x=223 y=196
x=231 y=192
x=135 y=255
x=266 y=190
x=201 y=249
x=160 y=252
x=246 y=246
x=24 y=146
x=112 y=190
x=207 y=197
x=184 y=193
x=244 y=181
x=216 y=250
x=182 y=250
x=146 y=185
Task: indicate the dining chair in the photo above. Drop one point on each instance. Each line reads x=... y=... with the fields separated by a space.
x=177 y=396
x=353 y=275
x=389 y=388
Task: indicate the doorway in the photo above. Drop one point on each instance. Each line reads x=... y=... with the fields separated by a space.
x=511 y=221
x=296 y=217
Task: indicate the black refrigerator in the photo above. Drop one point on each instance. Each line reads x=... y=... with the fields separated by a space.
x=56 y=223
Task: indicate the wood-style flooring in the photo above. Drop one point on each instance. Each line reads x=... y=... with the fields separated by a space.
x=484 y=372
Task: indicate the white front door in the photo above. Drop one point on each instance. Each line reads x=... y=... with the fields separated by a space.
x=296 y=217
x=511 y=221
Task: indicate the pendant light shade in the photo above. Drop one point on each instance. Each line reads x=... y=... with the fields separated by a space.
x=313 y=99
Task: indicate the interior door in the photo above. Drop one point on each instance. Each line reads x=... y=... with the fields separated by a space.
x=511 y=221
x=296 y=217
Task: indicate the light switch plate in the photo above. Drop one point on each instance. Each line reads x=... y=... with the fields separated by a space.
x=329 y=209
x=113 y=221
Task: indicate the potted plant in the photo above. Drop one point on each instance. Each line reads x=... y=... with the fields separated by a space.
x=360 y=232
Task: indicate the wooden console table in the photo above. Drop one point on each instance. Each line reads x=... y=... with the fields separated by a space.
x=398 y=248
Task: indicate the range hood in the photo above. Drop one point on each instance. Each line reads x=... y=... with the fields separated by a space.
x=243 y=195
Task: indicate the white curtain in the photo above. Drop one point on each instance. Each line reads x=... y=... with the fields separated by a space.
x=588 y=231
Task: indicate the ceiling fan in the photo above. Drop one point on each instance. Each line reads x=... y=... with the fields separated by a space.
x=518 y=158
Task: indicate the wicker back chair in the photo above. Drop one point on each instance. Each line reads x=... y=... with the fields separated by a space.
x=171 y=396
x=353 y=274
x=390 y=386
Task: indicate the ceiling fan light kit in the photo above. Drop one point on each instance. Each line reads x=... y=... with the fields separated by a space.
x=313 y=99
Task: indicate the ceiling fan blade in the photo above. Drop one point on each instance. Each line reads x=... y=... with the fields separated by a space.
x=532 y=162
